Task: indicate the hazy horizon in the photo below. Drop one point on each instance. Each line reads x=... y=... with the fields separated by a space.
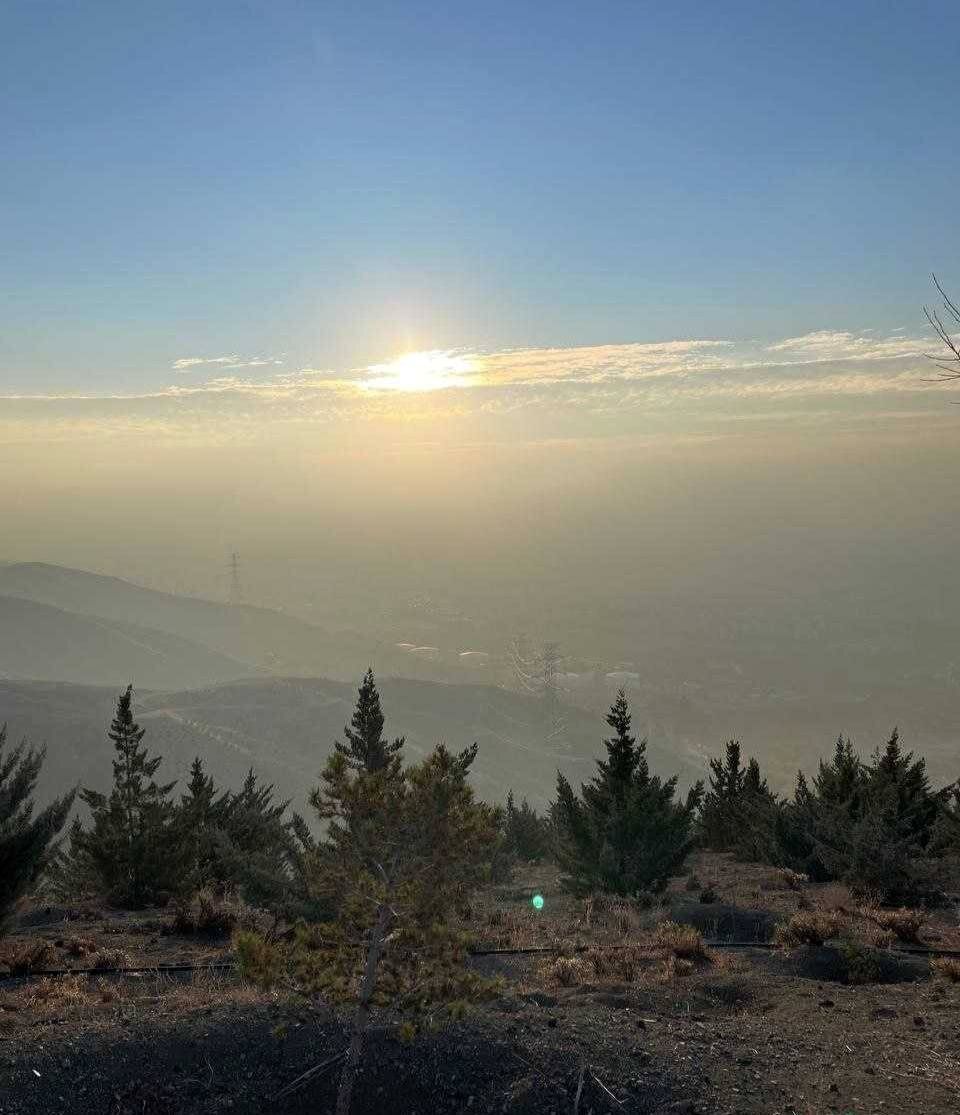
x=455 y=329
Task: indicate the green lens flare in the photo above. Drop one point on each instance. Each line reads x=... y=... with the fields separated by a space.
x=537 y=901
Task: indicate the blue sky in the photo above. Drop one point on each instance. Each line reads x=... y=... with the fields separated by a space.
x=326 y=186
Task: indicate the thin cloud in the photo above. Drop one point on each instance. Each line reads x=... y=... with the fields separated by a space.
x=626 y=385
x=190 y=363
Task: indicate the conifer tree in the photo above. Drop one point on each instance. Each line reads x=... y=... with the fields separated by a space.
x=27 y=841
x=199 y=817
x=526 y=834
x=738 y=808
x=132 y=853
x=719 y=816
x=403 y=851
x=876 y=826
x=366 y=749
x=625 y=834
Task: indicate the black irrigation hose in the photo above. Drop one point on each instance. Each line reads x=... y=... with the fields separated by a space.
x=157 y=969
x=554 y=950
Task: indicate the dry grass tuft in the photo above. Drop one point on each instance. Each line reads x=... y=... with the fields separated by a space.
x=794 y=880
x=682 y=940
x=111 y=958
x=55 y=993
x=808 y=928
x=675 y=967
x=28 y=957
x=617 y=965
x=566 y=971
x=904 y=923
x=79 y=947
x=946 y=967
x=207 y=915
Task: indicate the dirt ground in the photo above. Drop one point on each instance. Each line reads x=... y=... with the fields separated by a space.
x=735 y=1031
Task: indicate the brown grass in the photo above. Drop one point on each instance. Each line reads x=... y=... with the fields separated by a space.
x=675 y=967
x=111 y=958
x=946 y=967
x=566 y=971
x=793 y=880
x=811 y=927
x=78 y=947
x=209 y=915
x=904 y=923
x=26 y=957
x=681 y=940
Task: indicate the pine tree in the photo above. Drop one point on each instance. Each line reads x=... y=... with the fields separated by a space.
x=366 y=749
x=132 y=853
x=403 y=850
x=720 y=815
x=625 y=834
x=27 y=841
x=876 y=826
x=199 y=817
x=526 y=834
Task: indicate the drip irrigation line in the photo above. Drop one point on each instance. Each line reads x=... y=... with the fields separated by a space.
x=553 y=950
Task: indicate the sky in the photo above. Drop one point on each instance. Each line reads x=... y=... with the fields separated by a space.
x=248 y=191
x=289 y=276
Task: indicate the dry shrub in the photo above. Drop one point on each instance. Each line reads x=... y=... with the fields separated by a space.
x=794 y=880
x=206 y=915
x=28 y=957
x=882 y=938
x=860 y=962
x=947 y=967
x=110 y=958
x=682 y=940
x=808 y=928
x=566 y=971
x=625 y=919
x=904 y=923
x=55 y=992
x=616 y=965
x=79 y=946
x=675 y=967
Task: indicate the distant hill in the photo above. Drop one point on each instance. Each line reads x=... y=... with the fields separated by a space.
x=255 y=639
x=40 y=641
x=285 y=728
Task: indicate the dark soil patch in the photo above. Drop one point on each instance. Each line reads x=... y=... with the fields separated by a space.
x=830 y=964
x=723 y=922
x=239 y=1064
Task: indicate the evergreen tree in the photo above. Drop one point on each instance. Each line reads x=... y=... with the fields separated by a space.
x=625 y=834
x=526 y=834
x=366 y=749
x=877 y=840
x=720 y=815
x=199 y=818
x=132 y=853
x=27 y=842
x=876 y=826
x=403 y=851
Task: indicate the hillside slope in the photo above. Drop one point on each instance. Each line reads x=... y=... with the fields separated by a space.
x=285 y=728
x=44 y=642
x=260 y=639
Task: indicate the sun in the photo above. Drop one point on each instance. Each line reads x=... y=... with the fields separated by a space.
x=420 y=371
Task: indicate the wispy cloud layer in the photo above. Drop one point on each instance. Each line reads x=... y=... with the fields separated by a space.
x=819 y=374
x=194 y=363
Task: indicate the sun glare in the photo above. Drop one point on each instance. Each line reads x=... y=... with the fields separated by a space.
x=420 y=371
